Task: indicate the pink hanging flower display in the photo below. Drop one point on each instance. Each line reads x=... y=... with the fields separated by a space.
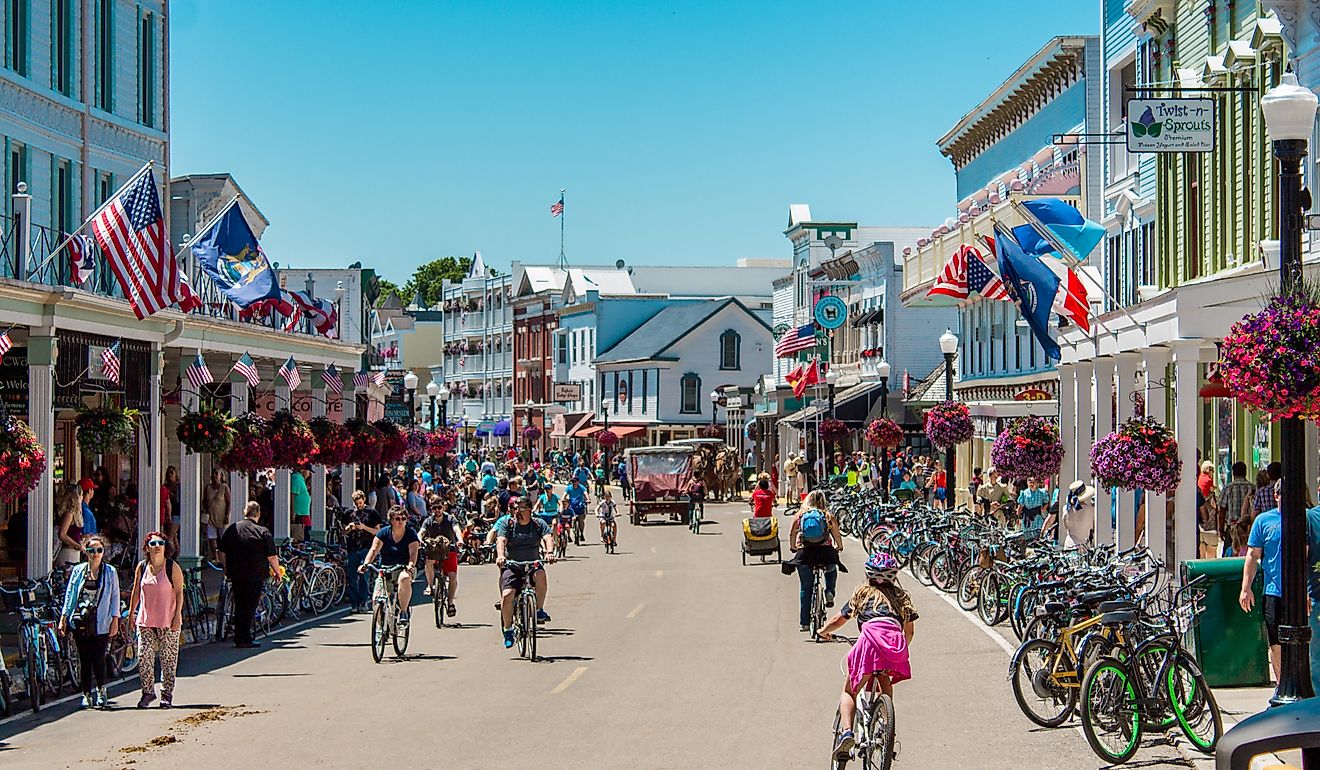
x=531 y=433
x=22 y=459
x=367 y=442
x=1270 y=360
x=1028 y=447
x=291 y=441
x=441 y=441
x=884 y=433
x=607 y=438
x=251 y=451
x=949 y=424
x=334 y=445
x=833 y=431
x=1141 y=454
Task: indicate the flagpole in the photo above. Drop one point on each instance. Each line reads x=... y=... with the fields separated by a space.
x=68 y=239
x=207 y=228
x=563 y=214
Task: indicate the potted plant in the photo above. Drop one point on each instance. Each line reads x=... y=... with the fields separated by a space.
x=291 y=441
x=251 y=451
x=419 y=445
x=607 y=438
x=531 y=433
x=393 y=442
x=367 y=442
x=884 y=433
x=441 y=441
x=1270 y=360
x=1141 y=454
x=949 y=424
x=1029 y=446
x=334 y=444
x=22 y=459
x=712 y=431
x=206 y=431
x=105 y=429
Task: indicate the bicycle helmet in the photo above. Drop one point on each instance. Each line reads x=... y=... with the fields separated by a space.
x=883 y=566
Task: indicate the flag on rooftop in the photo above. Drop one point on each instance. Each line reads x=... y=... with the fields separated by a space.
x=795 y=340
x=248 y=368
x=557 y=208
x=289 y=372
x=198 y=374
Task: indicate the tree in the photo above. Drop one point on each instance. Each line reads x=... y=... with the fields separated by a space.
x=386 y=287
x=429 y=278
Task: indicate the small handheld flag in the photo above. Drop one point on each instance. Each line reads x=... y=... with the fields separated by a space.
x=289 y=372
x=110 y=363
x=198 y=374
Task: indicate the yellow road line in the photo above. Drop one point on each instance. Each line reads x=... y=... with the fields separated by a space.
x=635 y=610
x=573 y=677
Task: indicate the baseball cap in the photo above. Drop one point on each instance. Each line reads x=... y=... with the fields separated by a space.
x=86 y=483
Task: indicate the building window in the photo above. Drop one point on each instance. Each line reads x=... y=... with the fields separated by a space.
x=690 y=394
x=561 y=348
x=62 y=205
x=645 y=378
x=17 y=31
x=105 y=55
x=730 y=350
x=61 y=47
x=18 y=170
x=147 y=69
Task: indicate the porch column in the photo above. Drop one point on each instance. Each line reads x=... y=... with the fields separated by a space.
x=1084 y=404
x=1068 y=385
x=239 y=489
x=149 y=448
x=1186 y=358
x=1126 y=364
x=1157 y=395
x=41 y=418
x=1104 y=418
x=190 y=484
x=281 y=528
x=348 y=471
x=318 y=471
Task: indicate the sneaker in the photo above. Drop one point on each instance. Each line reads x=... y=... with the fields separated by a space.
x=829 y=599
x=167 y=701
x=804 y=627
x=102 y=700
x=844 y=746
x=542 y=616
x=508 y=638
x=146 y=699
x=427 y=592
x=404 y=617
x=88 y=700
x=451 y=610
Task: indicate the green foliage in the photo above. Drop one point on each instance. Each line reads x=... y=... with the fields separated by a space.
x=386 y=287
x=428 y=278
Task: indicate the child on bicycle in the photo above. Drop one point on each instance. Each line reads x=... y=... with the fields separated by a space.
x=606 y=512
x=885 y=617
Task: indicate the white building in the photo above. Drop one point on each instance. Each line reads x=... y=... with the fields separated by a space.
x=477 y=360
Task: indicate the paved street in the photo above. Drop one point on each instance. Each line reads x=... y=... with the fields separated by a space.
x=670 y=654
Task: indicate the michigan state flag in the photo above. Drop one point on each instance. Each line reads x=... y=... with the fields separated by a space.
x=229 y=254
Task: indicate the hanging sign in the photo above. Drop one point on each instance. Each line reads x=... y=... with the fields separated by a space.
x=830 y=312
x=1171 y=125
x=14 y=381
x=1032 y=394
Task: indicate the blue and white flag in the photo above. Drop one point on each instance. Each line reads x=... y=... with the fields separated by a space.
x=1033 y=285
x=230 y=255
x=1052 y=221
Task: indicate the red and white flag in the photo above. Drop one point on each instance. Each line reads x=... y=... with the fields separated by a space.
x=952 y=280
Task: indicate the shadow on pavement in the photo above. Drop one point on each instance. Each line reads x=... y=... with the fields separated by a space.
x=557 y=658
x=262 y=676
x=416 y=656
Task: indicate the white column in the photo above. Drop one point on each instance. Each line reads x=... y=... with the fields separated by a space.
x=1186 y=358
x=190 y=485
x=1068 y=384
x=281 y=528
x=348 y=471
x=150 y=438
x=318 y=471
x=239 y=489
x=41 y=418
x=1104 y=416
x=1157 y=393
x=1126 y=384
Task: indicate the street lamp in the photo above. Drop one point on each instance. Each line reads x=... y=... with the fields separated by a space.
x=433 y=391
x=882 y=369
x=714 y=406
x=1290 y=118
x=527 y=407
x=948 y=346
x=410 y=385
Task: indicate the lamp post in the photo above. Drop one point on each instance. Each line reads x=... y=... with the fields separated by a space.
x=1290 y=118
x=882 y=369
x=948 y=346
x=410 y=385
x=433 y=391
x=714 y=406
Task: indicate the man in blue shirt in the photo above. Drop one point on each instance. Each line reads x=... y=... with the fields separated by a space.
x=581 y=473
x=1265 y=550
x=577 y=500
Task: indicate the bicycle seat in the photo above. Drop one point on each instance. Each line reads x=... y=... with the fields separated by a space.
x=1054 y=608
x=1120 y=605
x=1118 y=618
x=1098 y=597
x=1050 y=585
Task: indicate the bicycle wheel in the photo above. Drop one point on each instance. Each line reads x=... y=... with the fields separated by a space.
x=439 y=589
x=225 y=614
x=401 y=631
x=878 y=751
x=1023 y=612
x=817 y=608
x=531 y=631
x=1194 y=705
x=340 y=584
x=520 y=626
x=33 y=677
x=1036 y=688
x=1111 y=720
x=321 y=591
x=379 y=630
x=987 y=606
x=836 y=763
x=70 y=663
x=969 y=588
x=941 y=572
x=53 y=668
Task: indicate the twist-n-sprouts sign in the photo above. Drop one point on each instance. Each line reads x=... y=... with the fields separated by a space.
x=1171 y=125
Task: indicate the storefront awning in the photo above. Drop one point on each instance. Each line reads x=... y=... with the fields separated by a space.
x=501 y=428
x=869 y=317
x=566 y=424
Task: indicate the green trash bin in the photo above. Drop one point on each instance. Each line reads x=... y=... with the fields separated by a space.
x=1230 y=644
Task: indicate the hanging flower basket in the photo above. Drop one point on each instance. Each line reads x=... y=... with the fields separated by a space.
x=884 y=433
x=106 y=429
x=1028 y=447
x=833 y=431
x=251 y=451
x=291 y=441
x=334 y=445
x=419 y=445
x=607 y=438
x=531 y=433
x=22 y=459
x=367 y=442
x=1270 y=360
x=1141 y=454
x=442 y=441
x=206 y=431
x=712 y=431
x=393 y=442
x=949 y=424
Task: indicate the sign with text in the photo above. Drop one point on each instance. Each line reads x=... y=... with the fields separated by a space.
x=1032 y=394
x=566 y=391
x=301 y=406
x=14 y=381
x=1171 y=125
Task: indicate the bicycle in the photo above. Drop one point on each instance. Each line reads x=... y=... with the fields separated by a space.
x=610 y=537
x=39 y=644
x=561 y=537
x=199 y=617
x=818 y=612
x=524 y=610
x=873 y=729
x=385 y=623
x=440 y=593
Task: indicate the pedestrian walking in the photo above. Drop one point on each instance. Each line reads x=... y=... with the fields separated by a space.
x=1235 y=502
x=91 y=612
x=157 y=606
x=360 y=525
x=248 y=554
x=300 y=507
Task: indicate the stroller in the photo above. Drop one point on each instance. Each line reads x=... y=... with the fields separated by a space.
x=761 y=538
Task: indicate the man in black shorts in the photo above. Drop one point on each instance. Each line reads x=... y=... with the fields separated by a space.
x=521 y=537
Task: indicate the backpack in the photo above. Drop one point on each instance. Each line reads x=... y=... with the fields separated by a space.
x=168 y=572
x=814 y=527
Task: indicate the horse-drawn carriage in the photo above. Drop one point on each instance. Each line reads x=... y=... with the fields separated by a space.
x=717 y=465
x=660 y=476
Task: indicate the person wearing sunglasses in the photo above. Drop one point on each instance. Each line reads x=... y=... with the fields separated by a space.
x=397 y=545
x=91 y=611
x=157 y=605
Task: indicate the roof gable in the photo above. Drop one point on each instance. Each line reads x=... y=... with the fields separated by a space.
x=665 y=329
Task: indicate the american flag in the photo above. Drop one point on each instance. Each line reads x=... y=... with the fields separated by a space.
x=248 y=368
x=198 y=374
x=378 y=379
x=82 y=257
x=952 y=280
x=6 y=344
x=981 y=279
x=331 y=379
x=794 y=340
x=289 y=371
x=110 y=362
x=362 y=379
x=557 y=207
x=130 y=229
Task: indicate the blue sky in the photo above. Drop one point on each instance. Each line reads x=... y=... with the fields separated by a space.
x=402 y=131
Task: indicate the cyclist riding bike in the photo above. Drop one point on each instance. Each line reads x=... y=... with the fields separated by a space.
x=607 y=512
x=885 y=617
x=576 y=495
x=521 y=537
x=581 y=473
x=547 y=507
x=440 y=536
x=397 y=545
x=816 y=542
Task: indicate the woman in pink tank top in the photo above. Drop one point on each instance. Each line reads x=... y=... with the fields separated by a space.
x=156 y=607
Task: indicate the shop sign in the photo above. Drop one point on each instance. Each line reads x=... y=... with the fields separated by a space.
x=1032 y=394
x=566 y=391
x=300 y=405
x=1171 y=125
x=985 y=427
x=14 y=381
x=830 y=312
